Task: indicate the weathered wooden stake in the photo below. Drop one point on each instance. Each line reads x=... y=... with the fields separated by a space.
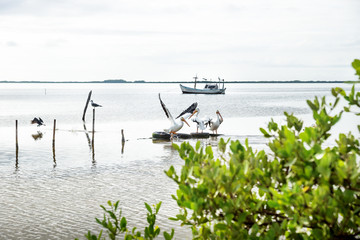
x=86 y=105
x=16 y=133
x=54 y=132
x=17 y=143
x=53 y=143
x=122 y=134
x=93 y=128
x=122 y=141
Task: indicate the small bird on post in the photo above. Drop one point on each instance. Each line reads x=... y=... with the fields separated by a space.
x=94 y=104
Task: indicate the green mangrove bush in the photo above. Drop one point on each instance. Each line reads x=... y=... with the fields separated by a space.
x=301 y=189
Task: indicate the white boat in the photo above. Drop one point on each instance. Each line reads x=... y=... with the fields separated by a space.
x=210 y=88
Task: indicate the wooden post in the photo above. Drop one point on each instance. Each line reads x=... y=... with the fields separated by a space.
x=93 y=128
x=17 y=144
x=122 y=141
x=16 y=133
x=122 y=134
x=86 y=105
x=54 y=131
x=53 y=143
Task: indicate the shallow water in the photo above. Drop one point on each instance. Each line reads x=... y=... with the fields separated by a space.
x=47 y=196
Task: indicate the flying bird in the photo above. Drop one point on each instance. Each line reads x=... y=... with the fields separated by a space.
x=175 y=124
x=94 y=104
x=38 y=121
x=214 y=124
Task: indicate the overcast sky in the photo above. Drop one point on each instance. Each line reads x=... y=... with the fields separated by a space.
x=168 y=40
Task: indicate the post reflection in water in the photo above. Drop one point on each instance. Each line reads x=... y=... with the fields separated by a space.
x=53 y=149
x=87 y=135
x=90 y=143
x=93 y=149
x=17 y=158
x=122 y=147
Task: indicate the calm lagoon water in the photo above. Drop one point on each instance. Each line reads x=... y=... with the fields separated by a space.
x=57 y=197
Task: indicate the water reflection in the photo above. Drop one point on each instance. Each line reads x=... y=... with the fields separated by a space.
x=37 y=136
x=93 y=149
x=87 y=135
x=53 y=150
x=17 y=158
x=91 y=142
x=122 y=147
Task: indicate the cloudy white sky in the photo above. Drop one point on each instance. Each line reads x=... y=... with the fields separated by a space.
x=168 y=40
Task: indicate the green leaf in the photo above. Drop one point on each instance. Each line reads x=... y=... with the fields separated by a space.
x=167 y=236
x=198 y=144
x=273 y=204
x=220 y=226
x=112 y=215
x=158 y=207
x=356 y=65
x=148 y=208
x=312 y=105
x=265 y=133
x=123 y=223
x=116 y=205
x=176 y=147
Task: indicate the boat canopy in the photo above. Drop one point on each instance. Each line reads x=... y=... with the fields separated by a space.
x=211 y=86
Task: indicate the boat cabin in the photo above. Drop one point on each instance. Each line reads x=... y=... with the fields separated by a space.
x=211 y=86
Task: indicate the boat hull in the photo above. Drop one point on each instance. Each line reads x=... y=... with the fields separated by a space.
x=188 y=90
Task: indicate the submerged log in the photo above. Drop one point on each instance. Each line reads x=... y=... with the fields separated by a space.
x=167 y=136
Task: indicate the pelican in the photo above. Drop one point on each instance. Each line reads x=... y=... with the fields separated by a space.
x=94 y=104
x=200 y=123
x=176 y=124
x=38 y=121
x=188 y=111
x=214 y=125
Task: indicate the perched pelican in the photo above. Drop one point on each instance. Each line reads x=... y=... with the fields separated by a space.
x=38 y=121
x=200 y=123
x=214 y=125
x=94 y=104
x=176 y=124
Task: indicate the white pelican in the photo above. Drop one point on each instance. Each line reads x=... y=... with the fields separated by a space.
x=94 y=104
x=214 y=125
x=200 y=123
x=176 y=124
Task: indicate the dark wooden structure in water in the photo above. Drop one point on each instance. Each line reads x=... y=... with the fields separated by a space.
x=167 y=136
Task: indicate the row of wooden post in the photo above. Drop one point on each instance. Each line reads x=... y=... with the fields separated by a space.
x=83 y=118
x=53 y=141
